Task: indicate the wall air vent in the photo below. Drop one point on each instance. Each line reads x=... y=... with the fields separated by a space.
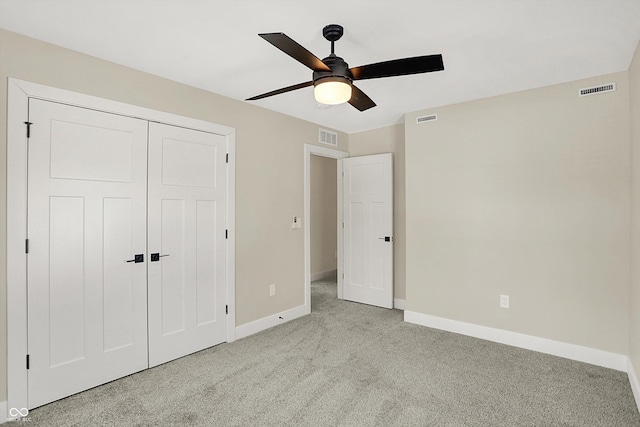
x=610 y=87
x=429 y=118
x=328 y=137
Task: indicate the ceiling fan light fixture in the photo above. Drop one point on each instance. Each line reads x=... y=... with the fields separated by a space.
x=332 y=90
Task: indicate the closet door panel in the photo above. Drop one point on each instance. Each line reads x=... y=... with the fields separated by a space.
x=87 y=306
x=186 y=229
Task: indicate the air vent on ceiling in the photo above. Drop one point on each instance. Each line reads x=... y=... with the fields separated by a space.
x=610 y=87
x=429 y=118
x=328 y=137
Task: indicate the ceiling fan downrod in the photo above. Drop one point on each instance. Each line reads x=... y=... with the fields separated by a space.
x=333 y=32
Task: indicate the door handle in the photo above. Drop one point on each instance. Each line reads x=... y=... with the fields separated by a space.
x=386 y=238
x=156 y=256
x=137 y=258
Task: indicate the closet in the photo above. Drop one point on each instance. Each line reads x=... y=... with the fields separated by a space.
x=126 y=246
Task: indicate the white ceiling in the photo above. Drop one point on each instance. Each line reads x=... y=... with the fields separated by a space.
x=489 y=47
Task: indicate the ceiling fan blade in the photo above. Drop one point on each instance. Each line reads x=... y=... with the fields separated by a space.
x=296 y=51
x=279 y=91
x=399 y=67
x=360 y=100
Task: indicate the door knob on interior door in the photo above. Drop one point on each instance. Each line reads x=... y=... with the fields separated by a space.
x=137 y=258
x=386 y=238
x=156 y=256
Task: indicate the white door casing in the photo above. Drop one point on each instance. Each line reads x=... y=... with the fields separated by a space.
x=86 y=218
x=19 y=95
x=368 y=229
x=187 y=205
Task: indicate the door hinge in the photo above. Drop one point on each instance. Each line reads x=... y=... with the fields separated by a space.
x=227 y=157
x=27 y=361
x=26 y=246
x=227 y=309
x=226 y=234
x=28 y=128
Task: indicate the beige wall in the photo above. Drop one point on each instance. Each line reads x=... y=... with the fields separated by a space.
x=634 y=300
x=324 y=214
x=269 y=167
x=389 y=140
x=527 y=195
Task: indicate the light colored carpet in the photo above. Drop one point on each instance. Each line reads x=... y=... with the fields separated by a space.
x=349 y=364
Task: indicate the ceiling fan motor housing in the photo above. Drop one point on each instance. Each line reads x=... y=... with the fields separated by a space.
x=339 y=68
x=339 y=71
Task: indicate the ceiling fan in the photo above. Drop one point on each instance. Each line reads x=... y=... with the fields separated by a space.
x=332 y=77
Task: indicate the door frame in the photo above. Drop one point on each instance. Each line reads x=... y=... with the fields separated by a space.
x=19 y=92
x=315 y=150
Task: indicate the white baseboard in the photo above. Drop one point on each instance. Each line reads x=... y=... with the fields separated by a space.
x=269 y=322
x=3 y=412
x=542 y=345
x=635 y=385
x=398 y=303
x=323 y=274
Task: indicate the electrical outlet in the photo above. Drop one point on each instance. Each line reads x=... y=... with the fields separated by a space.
x=504 y=301
x=272 y=289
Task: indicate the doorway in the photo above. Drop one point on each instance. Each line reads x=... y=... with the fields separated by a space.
x=324 y=222
x=368 y=254
x=331 y=156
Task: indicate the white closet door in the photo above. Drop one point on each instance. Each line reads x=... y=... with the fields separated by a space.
x=187 y=192
x=368 y=229
x=87 y=216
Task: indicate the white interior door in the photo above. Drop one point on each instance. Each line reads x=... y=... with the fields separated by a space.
x=187 y=192
x=368 y=229
x=87 y=316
